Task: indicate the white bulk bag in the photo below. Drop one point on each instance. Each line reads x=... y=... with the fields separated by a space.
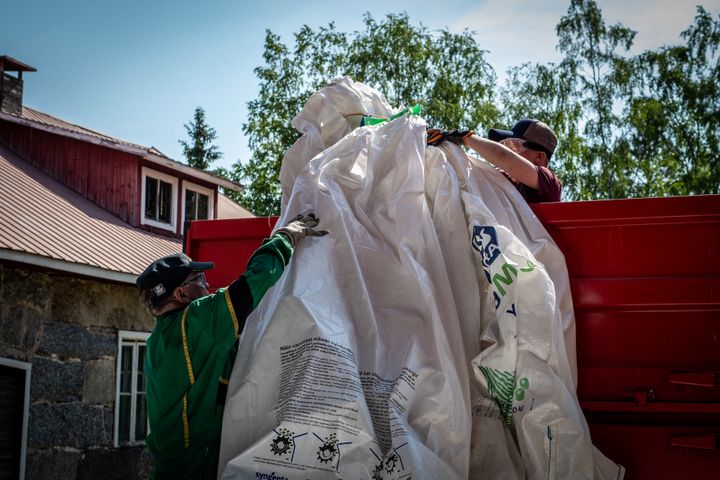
x=383 y=351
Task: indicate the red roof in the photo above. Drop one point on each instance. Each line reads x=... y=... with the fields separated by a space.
x=50 y=121
x=39 y=216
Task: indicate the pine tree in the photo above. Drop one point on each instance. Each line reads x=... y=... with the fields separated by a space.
x=199 y=152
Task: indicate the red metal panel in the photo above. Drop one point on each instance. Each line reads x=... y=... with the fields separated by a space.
x=648 y=338
x=655 y=451
x=229 y=243
x=638 y=237
x=645 y=277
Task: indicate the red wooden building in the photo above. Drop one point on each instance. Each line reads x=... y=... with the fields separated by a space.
x=81 y=215
x=138 y=184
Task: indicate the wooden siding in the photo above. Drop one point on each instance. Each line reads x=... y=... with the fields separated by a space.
x=110 y=178
x=104 y=176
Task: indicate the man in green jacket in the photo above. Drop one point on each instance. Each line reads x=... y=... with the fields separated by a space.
x=192 y=349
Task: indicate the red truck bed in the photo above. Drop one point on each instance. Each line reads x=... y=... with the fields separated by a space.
x=645 y=279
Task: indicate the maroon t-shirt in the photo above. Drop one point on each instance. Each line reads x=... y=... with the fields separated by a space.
x=549 y=187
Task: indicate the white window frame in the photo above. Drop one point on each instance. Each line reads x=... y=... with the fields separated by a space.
x=148 y=172
x=134 y=338
x=199 y=189
x=26 y=408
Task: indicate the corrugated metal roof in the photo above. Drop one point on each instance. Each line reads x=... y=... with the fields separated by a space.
x=41 y=216
x=229 y=209
x=49 y=120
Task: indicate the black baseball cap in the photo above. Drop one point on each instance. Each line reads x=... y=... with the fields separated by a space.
x=540 y=136
x=167 y=273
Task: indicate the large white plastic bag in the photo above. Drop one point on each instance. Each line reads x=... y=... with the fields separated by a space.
x=454 y=188
x=326 y=117
x=493 y=450
x=528 y=320
x=381 y=386
x=483 y=185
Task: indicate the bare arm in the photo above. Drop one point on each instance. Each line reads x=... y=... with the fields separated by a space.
x=518 y=167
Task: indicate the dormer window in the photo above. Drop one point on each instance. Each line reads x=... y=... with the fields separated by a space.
x=198 y=202
x=159 y=197
x=158 y=200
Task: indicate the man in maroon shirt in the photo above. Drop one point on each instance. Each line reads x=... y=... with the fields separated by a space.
x=521 y=154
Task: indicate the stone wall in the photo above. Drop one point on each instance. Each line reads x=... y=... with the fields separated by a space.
x=67 y=329
x=11 y=95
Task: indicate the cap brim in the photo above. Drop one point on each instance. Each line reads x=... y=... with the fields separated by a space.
x=496 y=135
x=201 y=266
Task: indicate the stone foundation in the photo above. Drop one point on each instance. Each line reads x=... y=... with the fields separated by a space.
x=67 y=328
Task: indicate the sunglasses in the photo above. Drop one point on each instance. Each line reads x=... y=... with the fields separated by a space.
x=198 y=280
x=518 y=145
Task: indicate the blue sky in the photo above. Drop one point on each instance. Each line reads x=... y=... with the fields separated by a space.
x=136 y=70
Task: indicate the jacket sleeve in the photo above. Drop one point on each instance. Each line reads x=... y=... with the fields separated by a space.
x=263 y=269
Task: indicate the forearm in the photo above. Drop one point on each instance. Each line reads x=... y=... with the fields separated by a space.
x=264 y=268
x=518 y=167
x=266 y=265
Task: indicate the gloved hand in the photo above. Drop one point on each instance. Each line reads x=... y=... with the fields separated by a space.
x=436 y=136
x=302 y=226
x=458 y=137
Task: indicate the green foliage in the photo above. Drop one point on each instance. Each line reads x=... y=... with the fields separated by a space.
x=199 y=152
x=445 y=72
x=628 y=125
x=594 y=63
x=644 y=125
x=674 y=115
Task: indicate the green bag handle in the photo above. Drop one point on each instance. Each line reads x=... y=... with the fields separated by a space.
x=414 y=110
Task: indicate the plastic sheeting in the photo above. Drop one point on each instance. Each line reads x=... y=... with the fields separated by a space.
x=429 y=335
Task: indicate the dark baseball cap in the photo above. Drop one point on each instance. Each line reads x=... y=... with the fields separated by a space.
x=534 y=131
x=167 y=273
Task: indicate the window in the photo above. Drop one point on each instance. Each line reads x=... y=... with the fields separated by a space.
x=14 y=410
x=197 y=202
x=196 y=206
x=131 y=423
x=159 y=194
x=158 y=200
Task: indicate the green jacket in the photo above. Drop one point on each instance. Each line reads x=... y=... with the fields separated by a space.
x=187 y=366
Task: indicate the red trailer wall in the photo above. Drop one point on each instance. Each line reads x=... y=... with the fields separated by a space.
x=645 y=278
x=229 y=243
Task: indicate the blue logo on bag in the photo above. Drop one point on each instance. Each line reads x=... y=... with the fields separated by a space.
x=484 y=240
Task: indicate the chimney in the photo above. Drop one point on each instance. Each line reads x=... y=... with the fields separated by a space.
x=11 y=87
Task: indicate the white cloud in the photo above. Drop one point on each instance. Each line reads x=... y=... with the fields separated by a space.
x=658 y=22
x=514 y=31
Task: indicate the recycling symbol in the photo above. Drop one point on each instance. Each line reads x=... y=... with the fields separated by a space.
x=328 y=449
x=282 y=443
x=391 y=463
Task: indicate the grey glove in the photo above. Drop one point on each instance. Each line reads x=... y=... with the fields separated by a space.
x=302 y=226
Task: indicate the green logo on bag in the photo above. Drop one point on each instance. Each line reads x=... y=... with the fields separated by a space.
x=523 y=385
x=500 y=388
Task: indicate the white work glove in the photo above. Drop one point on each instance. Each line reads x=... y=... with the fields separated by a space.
x=302 y=226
